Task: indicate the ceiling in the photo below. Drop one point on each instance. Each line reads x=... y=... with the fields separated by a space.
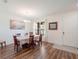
x=36 y=8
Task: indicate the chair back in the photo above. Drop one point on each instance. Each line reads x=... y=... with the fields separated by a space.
x=26 y=33
x=30 y=33
x=31 y=39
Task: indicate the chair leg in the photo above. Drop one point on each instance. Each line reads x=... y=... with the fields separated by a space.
x=17 y=48
x=41 y=42
x=5 y=44
x=14 y=47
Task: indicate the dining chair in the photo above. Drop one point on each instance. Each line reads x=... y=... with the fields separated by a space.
x=16 y=43
x=39 y=42
x=31 y=41
x=30 y=33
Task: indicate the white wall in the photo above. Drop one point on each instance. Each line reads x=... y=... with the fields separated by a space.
x=5 y=32
x=55 y=36
x=4 y=24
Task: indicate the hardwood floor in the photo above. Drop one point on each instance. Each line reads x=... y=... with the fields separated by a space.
x=46 y=51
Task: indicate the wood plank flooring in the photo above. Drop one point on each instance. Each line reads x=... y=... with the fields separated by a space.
x=46 y=51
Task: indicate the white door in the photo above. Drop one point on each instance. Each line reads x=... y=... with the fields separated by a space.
x=70 y=32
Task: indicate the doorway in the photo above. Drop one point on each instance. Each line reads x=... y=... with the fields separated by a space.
x=69 y=30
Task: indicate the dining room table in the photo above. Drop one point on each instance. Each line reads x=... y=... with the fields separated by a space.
x=25 y=39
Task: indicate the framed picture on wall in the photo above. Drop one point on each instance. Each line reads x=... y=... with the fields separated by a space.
x=17 y=24
x=53 y=26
